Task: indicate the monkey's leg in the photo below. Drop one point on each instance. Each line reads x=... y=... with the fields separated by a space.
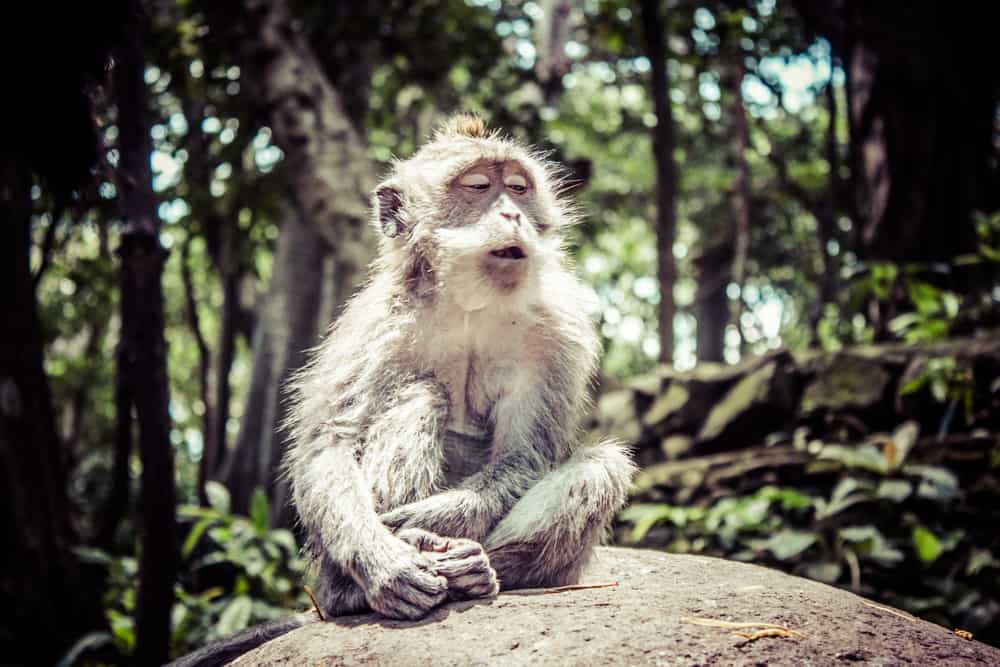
x=549 y=535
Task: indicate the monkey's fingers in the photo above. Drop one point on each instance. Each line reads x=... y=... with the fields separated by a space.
x=396 y=518
x=424 y=540
x=459 y=548
x=426 y=581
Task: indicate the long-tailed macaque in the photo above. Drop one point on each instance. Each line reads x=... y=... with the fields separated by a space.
x=436 y=448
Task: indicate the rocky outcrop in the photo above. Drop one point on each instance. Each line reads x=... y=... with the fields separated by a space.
x=665 y=610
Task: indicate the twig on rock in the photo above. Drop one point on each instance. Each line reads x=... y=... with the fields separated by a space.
x=559 y=589
x=579 y=587
x=319 y=612
x=768 y=629
x=890 y=610
x=770 y=632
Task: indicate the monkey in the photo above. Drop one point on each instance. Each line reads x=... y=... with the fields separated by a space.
x=436 y=449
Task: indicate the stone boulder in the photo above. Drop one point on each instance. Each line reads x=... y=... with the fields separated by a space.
x=665 y=610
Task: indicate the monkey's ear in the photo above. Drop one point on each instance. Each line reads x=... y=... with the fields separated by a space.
x=388 y=202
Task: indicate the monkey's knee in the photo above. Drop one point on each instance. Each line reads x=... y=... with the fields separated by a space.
x=549 y=535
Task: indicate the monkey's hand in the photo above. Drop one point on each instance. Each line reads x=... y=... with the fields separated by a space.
x=463 y=563
x=403 y=583
x=455 y=513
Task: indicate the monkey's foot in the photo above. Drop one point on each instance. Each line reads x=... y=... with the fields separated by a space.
x=467 y=568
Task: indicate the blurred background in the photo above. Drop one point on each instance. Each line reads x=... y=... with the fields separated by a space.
x=792 y=233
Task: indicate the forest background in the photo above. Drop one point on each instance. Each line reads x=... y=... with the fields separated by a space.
x=771 y=187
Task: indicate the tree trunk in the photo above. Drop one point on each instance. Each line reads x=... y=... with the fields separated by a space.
x=826 y=214
x=922 y=93
x=43 y=592
x=711 y=309
x=142 y=354
x=666 y=173
x=287 y=325
x=322 y=254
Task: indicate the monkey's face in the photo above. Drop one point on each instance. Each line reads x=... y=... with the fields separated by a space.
x=472 y=220
x=492 y=241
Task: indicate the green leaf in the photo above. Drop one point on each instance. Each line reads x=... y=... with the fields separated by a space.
x=123 y=630
x=869 y=541
x=903 y=322
x=92 y=555
x=863 y=457
x=286 y=539
x=913 y=385
x=827 y=572
x=788 y=543
x=896 y=490
x=980 y=559
x=936 y=483
x=235 y=616
x=925 y=297
x=195 y=512
x=927 y=546
x=218 y=496
x=260 y=513
x=644 y=516
x=194 y=535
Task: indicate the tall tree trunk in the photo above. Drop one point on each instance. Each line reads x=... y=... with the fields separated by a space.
x=739 y=201
x=232 y=276
x=42 y=591
x=329 y=177
x=724 y=260
x=666 y=173
x=826 y=215
x=287 y=325
x=711 y=308
x=142 y=353
x=922 y=88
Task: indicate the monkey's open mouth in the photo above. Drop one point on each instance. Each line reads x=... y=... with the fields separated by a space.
x=511 y=252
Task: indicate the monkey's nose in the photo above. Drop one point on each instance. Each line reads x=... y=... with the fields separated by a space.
x=513 y=216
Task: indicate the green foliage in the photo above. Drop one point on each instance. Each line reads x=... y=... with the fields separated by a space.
x=237 y=572
x=889 y=529
x=261 y=571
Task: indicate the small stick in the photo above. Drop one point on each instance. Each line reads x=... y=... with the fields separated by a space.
x=889 y=610
x=558 y=589
x=579 y=587
x=770 y=632
x=769 y=629
x=319 y=612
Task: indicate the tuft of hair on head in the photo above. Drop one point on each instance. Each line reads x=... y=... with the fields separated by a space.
x=464 y=125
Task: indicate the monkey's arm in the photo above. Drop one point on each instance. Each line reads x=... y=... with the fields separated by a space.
x=338 y=513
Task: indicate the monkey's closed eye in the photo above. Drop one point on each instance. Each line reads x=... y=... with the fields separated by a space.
x=517 y=183
x=475 y=181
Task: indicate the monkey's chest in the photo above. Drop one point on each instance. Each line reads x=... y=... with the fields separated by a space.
x=468 y=440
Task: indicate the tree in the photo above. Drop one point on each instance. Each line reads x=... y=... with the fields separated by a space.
x=45 y=592
x=325 y=249
x=922 y=96
x=666 y=173
x=142 y=352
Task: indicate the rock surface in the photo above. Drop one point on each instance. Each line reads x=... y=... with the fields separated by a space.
x=654 y=616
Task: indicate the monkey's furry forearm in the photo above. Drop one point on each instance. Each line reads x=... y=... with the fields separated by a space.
x=336 y=507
